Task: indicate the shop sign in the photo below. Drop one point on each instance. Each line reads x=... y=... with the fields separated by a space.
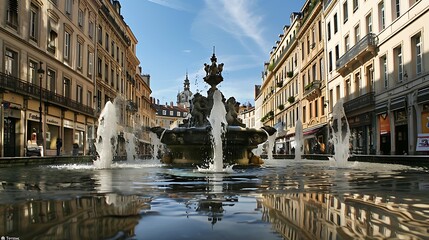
x=68 y=123
x=53 y=121
x=12 y=113
x=33 y=116
x=422 y=142
x=384 y=124
x=80 y=127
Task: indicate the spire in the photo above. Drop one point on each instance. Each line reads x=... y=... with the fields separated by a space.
x=186 y=82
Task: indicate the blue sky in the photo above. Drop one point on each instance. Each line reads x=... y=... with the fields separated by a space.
x=177 y=36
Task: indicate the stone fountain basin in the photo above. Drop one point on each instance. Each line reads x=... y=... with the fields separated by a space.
x=194 y=144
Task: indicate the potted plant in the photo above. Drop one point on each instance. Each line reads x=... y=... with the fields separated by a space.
x=291 y=99
x=290 y=74
x=281 y=107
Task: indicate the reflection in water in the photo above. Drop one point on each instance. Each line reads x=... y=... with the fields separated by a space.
x=351 y=216
x=77 y=218
x=282 y=199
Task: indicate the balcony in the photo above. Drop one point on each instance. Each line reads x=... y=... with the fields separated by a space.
x=357 y=54
x=312 y=90
x=16 y=85
x=364 y=101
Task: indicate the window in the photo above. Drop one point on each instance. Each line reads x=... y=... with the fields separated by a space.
x=382 y=20
x=302 y=51
x=106 y=72
x=171 y=113
x=338 y=93
x=52 y=41
x=99 y=67
x=321 y=69
x=346 y=43
x=347 y=87
x=358 y=85
x=383 y=67
x=90 y=63
x=113 y=48
x=12 y=14
x=67 y=47
x=397 y=9
x=330 y=61
x=418 y=53
x=68 y=6
x=369 y=23
x=100 y=34
x=355 y=5
x=335 y=23
x=398 y=63
x=11 y=63
x=91 y=29
x=67 y=87
x=34 y=22
x=80 y=18
x=311 y=110
x=112 y=76
x=89 y=98
x=337 y=52
x=308 y=45
x=178 y=113
x=79 y=93
x=357 y=34
x=79 y=54
x=345 y=12
x=52 y=80
x=32 y=72
x=329 y=30
x=98 y=100
x=107 y=42
x=303 y=114
x=319 y=28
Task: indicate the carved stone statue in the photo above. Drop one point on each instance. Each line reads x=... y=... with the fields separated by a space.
x=199 y=109
x=232 y=113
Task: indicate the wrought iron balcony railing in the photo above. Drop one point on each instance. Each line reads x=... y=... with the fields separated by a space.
x=312 y=90
x=19 y=86
x=359 y=50
x=363 y=101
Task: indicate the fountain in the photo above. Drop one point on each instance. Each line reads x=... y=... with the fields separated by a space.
x=299 y=138
x=191 y=142
x=340 y=136
x=106 y=136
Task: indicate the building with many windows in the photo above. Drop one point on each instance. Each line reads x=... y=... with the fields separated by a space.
x=370 y=55
x=62 y=61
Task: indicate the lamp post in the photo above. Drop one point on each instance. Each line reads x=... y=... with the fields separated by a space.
x=41 y=72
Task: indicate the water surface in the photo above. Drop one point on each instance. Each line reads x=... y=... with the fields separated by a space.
x=283 y=199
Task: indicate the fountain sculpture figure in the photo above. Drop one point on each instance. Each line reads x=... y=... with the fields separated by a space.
x=191 y=142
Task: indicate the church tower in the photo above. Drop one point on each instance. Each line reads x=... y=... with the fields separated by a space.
x=184 y=97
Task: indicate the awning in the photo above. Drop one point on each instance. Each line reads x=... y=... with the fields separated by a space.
x=313 y=130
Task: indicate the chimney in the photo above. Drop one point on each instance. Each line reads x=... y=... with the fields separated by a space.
x=171 y=104
x=157 y=101
x=117 y=6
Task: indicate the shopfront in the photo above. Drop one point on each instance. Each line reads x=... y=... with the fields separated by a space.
x=53 y=125
x=79 y=136
x=361 y=133
x=68 y=138
x=11 y=130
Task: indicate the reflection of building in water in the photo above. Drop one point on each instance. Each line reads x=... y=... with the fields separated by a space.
x=79 y=218
x=325 y=216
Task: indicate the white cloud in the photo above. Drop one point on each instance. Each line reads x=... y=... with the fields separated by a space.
x=239 y=18
x=176 y=5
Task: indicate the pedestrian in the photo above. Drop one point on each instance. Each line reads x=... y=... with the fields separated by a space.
x=59 y=145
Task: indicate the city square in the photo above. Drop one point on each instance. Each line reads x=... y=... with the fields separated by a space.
x=333 y=142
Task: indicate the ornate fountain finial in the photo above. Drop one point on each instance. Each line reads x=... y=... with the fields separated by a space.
x=213 y=72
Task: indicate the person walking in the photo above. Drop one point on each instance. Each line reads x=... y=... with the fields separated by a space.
x=59 y=145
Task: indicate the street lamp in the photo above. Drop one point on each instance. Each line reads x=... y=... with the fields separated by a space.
x=41 y=72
